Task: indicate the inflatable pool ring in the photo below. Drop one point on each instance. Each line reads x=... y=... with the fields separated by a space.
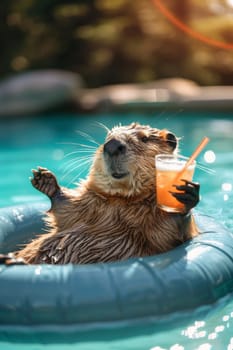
x=194 y=274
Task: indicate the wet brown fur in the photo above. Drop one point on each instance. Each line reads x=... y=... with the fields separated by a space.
x=107 y=219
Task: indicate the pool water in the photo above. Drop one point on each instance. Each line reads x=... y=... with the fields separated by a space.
x=56 y=142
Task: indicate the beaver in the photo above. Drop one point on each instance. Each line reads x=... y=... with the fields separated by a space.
x=112 y=215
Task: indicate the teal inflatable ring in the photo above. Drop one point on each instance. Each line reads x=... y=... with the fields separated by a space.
x=195 y=274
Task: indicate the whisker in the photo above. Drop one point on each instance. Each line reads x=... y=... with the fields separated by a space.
x=75 y=178
x=103 y=126
x=78 y=152
x=166 y=114
x=75 y=167
x=159 y=116
x=93 y=148
x=72 y=162
x=79 y=156
x=77 y=175
x=76 y=161
x=78 y=144
x=87 y=146
x=206 y=169
x=88 y=137
x=177 y=112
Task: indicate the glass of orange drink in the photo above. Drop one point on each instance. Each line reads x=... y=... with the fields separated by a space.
x=170 y=170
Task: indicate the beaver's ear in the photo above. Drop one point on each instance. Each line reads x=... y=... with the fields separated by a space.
x=171 y=140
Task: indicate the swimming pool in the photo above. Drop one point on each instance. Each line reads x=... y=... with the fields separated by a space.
x=44 y=141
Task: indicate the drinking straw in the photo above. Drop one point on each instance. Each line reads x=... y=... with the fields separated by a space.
x=198 y=150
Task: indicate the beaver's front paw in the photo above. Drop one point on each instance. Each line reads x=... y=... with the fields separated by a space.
x=45 y=181
x=189 y=195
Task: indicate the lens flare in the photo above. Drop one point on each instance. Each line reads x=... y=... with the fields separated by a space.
x=189 y=31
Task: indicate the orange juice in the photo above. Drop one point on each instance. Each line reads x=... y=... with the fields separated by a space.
x=168 y=168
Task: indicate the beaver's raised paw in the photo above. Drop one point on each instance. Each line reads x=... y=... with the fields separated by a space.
x=189 y=195
x=45 y=181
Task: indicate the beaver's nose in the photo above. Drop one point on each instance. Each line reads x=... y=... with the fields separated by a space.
x=114 y=148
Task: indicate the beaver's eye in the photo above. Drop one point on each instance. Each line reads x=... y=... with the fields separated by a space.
x=144 y=139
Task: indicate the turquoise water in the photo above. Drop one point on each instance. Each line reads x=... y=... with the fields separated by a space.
x=207 y=329
x=51 y=141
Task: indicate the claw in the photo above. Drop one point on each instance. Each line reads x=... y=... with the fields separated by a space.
x=188 y=194
x=45 y=181
x=40 y=168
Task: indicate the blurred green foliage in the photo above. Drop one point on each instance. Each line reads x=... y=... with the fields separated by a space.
x=116 y=41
